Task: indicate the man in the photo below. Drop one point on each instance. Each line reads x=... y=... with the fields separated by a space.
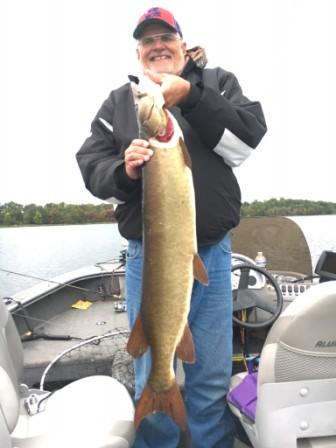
x=220 y=127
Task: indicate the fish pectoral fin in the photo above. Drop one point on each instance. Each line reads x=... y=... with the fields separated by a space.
x=185 y=349
x=185 y=152
x=200 y=272
x=170 y=402
x=137 y=343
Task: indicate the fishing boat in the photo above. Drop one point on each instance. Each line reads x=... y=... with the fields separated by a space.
x=65 y=339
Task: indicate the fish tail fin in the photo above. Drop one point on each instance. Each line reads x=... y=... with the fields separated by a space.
x=170 y=402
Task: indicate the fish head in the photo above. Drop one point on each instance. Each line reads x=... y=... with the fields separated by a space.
x=149 y=106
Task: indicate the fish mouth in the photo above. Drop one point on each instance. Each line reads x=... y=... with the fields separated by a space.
x=152 y=118
x=145 y=113
x=154 y=121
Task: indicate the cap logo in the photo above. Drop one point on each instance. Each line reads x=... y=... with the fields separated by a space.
x=153 y=13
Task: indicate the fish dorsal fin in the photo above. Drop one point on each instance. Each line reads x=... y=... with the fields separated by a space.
x=137 y=342
x=200 y=272
x=185 y=153
x=185 y=349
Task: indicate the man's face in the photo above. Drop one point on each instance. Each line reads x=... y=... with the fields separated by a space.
x=161 y=55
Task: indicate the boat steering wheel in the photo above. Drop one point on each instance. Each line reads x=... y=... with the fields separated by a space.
x=255 y=292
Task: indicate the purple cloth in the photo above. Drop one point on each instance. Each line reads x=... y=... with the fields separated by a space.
x=250 y=409
x=244 y=396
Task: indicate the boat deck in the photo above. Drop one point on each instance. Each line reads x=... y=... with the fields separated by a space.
x=77 y=324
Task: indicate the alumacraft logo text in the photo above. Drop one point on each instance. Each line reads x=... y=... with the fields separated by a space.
x=326 y=344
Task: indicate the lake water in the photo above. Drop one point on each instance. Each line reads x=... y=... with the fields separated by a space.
x=47 y=251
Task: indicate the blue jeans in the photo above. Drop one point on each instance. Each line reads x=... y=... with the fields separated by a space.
x=206 y=381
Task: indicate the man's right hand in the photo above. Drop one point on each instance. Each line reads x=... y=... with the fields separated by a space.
x=135 y=156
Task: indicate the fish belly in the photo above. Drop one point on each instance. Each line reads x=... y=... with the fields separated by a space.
x=169 y=248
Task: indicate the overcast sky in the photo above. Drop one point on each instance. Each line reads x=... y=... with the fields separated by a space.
x=60 y=59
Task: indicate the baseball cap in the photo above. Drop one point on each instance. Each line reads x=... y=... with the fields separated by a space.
x=157 y=15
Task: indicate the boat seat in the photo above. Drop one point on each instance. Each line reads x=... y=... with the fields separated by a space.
x=5 y=439
x=92 y=412
x=296 y=384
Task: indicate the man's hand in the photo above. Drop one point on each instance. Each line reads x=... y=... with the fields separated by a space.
x=135 y=156
x=174 y=88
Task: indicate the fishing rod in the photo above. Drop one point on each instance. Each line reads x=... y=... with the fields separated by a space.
x=32 y=334
x=66 y=284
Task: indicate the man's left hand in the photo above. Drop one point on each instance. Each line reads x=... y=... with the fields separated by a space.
x=174 y=88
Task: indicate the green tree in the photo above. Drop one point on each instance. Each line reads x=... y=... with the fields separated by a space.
x=12 y=214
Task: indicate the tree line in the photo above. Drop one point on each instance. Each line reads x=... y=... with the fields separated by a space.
x=13 y=214
x=288 y=207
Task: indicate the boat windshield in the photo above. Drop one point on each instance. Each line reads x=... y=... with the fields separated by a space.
x=280 y=239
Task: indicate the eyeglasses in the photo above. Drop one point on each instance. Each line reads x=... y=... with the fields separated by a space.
x=164 y=38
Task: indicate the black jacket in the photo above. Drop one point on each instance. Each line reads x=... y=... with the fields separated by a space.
x=215 y=107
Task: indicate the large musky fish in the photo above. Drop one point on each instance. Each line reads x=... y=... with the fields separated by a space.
x=170 y=256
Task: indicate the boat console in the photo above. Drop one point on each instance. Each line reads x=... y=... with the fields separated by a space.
x=293 y=284
x=288 y=269
x=326 y=266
